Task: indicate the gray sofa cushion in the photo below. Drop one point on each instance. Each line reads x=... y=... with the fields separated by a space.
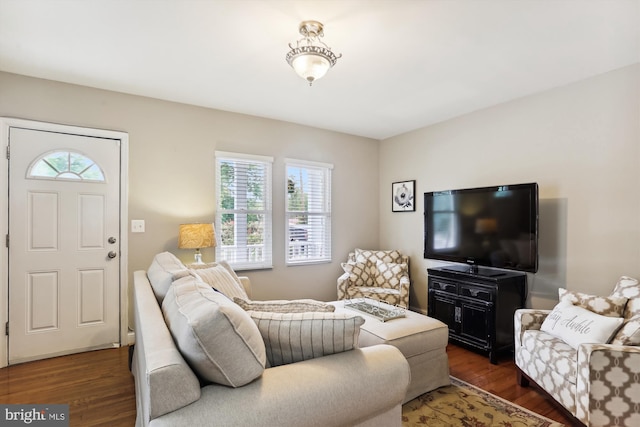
x=161 y=272
x=216 y=337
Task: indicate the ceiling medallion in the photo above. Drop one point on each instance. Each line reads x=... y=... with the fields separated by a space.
x=311 y=58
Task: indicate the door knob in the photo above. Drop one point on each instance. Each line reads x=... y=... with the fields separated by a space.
x=112 y=240
x=111 y=254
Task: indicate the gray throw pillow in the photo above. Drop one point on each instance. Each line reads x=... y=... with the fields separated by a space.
x=215 y=336
x=161 y=273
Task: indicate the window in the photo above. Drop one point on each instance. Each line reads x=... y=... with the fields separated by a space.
x=243 y=214
x=65 y=165
x=308 y=212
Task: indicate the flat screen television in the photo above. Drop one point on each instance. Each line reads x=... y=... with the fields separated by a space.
x=489 y=226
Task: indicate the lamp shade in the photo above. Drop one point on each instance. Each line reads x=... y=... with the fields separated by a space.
x=196 y=236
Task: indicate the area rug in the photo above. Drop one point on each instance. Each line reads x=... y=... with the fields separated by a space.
x=462 y=404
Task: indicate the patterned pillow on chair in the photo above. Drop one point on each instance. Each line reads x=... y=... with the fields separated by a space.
x=629 y=334
x=359 y=273
x=388 y=274
x=612 y=306
x=628 y=287
x=362 y=255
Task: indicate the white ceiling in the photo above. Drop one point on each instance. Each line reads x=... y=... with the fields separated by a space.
x=406 y=63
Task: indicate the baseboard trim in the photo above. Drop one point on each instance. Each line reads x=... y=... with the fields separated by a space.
x=418 y=310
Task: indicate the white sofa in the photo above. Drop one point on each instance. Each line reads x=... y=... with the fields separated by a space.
x=597 y=384
x=358 y=387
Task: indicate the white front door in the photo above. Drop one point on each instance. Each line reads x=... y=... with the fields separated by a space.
x=64 y=243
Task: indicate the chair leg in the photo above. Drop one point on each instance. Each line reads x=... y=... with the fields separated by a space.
x=521 y=378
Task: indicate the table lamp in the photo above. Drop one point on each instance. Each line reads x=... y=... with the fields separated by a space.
x=196 y=236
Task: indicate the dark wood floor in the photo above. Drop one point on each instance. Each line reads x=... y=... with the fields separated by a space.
x=96 y=385
x=500 y=380
x=99 y=387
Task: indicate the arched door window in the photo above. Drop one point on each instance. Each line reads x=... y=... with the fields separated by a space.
x=65 y=165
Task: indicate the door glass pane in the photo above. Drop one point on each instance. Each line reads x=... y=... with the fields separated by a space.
x=65 y=165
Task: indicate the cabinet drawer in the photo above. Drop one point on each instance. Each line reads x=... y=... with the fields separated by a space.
x=476 y=293
x=450 y=288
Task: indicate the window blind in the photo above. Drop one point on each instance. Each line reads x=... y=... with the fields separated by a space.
x=308 y=211
x=243 y=214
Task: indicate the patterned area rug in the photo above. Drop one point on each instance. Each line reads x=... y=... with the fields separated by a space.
x=462 y=404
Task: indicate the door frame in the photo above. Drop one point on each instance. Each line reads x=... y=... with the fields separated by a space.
x=5 y=124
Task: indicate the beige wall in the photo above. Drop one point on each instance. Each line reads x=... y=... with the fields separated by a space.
x=171 y=171
x=580 y=143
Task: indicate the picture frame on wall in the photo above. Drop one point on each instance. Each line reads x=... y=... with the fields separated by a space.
x=402 y=196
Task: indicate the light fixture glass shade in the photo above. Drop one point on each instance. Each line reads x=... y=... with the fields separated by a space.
x=196 y=236
x=310 y=67
x=311 y=58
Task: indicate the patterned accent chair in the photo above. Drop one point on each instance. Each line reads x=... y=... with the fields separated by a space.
x=596 y=384
x=379 y=275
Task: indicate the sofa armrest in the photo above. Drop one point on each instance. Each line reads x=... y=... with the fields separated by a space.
x=608 y=384
x=405 y=283
x=525 y=319
x=246 y=284
x=342 y=389
x=164 y=381
x=343 y=286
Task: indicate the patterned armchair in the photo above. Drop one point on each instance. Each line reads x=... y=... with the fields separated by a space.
x=379 y=275
x=597 y=384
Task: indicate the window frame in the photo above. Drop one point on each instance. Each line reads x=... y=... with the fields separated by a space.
x=246 y=264
x=326 y=242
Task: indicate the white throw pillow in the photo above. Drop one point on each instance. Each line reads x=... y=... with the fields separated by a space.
x=576 y=325
x=219 y=278
x=293 y=337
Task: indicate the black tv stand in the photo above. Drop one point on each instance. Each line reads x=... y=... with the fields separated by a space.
x=477 y=307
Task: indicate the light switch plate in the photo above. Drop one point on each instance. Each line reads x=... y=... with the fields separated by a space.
x=137 y=225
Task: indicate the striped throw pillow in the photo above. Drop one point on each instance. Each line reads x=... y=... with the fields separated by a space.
x=293 y=337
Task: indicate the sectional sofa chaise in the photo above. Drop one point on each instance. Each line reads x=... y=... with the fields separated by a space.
x=200 y=359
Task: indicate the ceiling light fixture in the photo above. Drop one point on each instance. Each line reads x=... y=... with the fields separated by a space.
x=311 y=58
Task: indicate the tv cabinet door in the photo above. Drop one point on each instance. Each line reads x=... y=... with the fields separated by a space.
x=475 y=322
x=445 y=309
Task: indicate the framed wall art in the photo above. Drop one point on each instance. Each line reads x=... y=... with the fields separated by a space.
x=402 y=196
